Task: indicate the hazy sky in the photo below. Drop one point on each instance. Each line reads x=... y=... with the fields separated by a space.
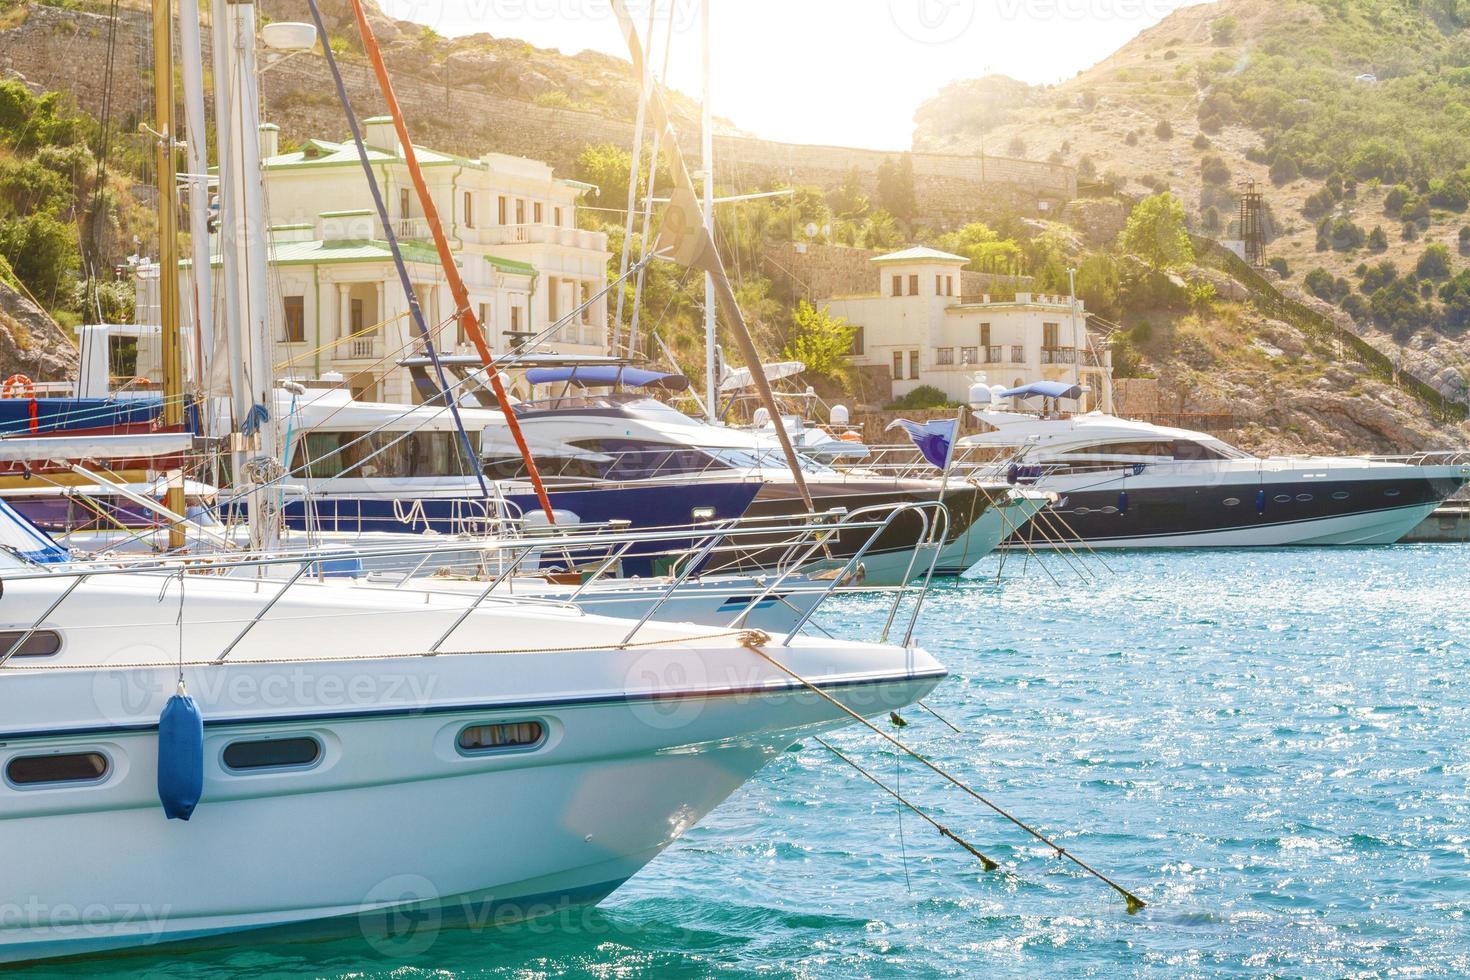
x=848 y=72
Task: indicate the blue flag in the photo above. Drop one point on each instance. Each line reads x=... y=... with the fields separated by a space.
x=932 y=438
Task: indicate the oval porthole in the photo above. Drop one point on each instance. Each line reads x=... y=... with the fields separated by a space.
x=1232 y=501
x=1391 y=492
x=1303 y=498
x=1340 y=495
x=51 y=770
x=501 y=737
x=1283 y=498
x=1082 y=511
x=259 y=754
x=1110 y=510
x=41 y=643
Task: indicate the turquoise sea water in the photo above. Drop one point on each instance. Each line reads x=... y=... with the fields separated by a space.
x=1269 y=747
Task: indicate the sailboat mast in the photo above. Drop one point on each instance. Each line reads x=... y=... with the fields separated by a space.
x=168 y=259
x=707 y=154
x=201 y=277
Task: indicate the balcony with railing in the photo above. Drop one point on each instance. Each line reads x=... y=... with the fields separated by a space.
x=364 y=347
x=539 y=234
x=1058 y=355
x=412 y=229
x=995 y=354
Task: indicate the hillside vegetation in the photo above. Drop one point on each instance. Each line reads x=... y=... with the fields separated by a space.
x=1352 y=116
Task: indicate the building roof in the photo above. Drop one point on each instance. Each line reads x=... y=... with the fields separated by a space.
x=318 y=252
x=920 y=253
x=324 y=153
x=511 y=266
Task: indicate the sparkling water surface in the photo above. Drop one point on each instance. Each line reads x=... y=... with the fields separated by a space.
x=1269 y=747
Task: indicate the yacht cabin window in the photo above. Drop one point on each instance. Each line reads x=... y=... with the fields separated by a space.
x=1183 y=449
x=358 y=455
x=502 y=737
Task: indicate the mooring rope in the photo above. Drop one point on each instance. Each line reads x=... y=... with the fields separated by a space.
x=943 y=830
x=755 y=640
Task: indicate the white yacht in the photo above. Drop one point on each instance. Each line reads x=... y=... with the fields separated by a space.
x=1129 y=484
x=599 y=439
x=366 y=751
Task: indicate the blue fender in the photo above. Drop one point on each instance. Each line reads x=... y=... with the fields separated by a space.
x=180 y=756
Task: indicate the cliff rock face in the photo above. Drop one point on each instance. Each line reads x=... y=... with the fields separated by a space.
x=31 y=343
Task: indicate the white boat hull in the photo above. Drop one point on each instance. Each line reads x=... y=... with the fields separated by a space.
x=640 y=743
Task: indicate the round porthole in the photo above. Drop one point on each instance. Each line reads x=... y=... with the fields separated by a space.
x=1340 y=495
x=1232 y=501
x=1303 y=498
x=1283 y=498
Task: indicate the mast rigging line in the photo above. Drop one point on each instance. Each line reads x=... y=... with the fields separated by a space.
x=415 y=312
x=648 y=201
x=695 y=245
x=635 y=171
x=463 y=309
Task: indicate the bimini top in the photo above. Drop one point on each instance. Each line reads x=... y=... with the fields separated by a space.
x=601 y=376
x=1045 y=389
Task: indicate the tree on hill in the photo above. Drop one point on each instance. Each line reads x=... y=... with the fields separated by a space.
x=896 y=193
x=609 y=167
x=1163 y=130
x=820 y=341
x=985 y=249
x=849 y=202
x=1156 y=232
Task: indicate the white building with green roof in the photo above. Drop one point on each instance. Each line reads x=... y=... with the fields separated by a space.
x=922 y=325
x=337 y=298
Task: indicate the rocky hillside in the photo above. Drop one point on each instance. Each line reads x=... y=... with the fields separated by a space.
x=1349 y=116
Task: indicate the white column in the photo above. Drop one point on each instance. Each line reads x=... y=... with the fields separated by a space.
x=344 y=314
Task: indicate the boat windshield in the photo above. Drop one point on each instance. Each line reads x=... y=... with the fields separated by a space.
x=619 y=401
x=768 y=458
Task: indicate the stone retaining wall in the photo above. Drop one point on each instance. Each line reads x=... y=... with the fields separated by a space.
x=65 y=50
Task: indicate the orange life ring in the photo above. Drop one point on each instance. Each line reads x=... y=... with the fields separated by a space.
x=851 y=436
x=18 y=386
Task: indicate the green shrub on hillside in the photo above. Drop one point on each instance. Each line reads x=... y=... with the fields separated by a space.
x=44 y=253
x=1213 y=170
x=1434 y=264
x=1375 y=277
x=1284 y=170
x=924 y=396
